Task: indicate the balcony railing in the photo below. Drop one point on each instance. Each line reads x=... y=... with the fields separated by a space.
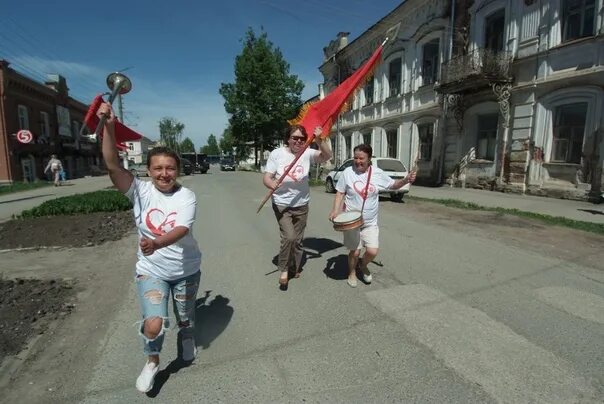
x=479 y=64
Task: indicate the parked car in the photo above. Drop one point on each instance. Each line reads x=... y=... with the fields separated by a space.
x=199 y=160
x=227 y=165
x=138 y=170
x=393 y=167
x=186 y=166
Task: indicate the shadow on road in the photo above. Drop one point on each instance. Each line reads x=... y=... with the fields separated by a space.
x=313 y=248
x=337 y=267
x=592 y=211
x=210 y=321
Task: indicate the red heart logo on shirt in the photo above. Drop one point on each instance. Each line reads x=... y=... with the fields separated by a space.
x=359 y=187
x=158 y=222
x=296 y=173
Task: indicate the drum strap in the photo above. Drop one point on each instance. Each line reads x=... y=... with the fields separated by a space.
x=366 y=189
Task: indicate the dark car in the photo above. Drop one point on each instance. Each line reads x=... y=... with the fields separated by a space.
x=186 y=166
x=227 y=165
x=203 y=166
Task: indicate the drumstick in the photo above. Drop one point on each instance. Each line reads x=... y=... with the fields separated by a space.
x=280 y=180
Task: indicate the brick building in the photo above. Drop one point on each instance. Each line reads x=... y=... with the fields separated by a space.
x=54 y=119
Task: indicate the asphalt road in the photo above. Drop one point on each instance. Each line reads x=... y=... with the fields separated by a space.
x=450 y=317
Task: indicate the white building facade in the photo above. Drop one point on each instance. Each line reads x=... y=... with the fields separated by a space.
x=494 y=94
x=137 y=150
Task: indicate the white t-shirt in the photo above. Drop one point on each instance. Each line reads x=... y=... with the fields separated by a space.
x=294 y=190
x=155 y=214
x=353 y=186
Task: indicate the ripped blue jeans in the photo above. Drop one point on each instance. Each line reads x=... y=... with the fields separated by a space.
x=154 y=295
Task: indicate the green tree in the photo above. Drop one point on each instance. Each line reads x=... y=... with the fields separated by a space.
x=170 y=132
x=264 y=95
x=226 y=142
x=211 y=148
x=187 y=146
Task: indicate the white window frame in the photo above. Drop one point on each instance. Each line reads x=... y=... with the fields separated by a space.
x=388 y=85
x=424 y=120
x=388 y=130
x=436 y=34
x=480 y=12
x=23 y=116
x=543 y=134
x=555 y=22
x=471 y=128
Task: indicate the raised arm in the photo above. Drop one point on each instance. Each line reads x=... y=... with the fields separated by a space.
x=121 y=178
x=324 y=147
x=404 y=181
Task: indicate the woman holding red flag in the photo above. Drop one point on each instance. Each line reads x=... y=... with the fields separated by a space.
x=169 y=258
x=292 y=194
x=361 y=183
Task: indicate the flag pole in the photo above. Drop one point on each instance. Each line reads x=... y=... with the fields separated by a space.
x=281 y=178
x=306 y=144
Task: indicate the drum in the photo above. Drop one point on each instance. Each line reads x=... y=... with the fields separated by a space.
x=348 y=220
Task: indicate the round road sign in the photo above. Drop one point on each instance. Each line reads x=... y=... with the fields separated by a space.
x=24 y=136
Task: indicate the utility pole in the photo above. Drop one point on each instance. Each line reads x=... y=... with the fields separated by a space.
x=120 y=115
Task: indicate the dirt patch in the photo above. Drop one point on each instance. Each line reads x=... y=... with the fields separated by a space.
x=65 y=231
x=27 y=307
x=578 y=246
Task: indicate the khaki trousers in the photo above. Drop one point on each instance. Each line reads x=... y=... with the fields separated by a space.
x=292 y=222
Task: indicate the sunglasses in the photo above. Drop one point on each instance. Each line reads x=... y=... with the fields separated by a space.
x=298 y=139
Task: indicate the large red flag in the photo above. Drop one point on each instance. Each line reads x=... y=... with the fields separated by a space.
x=324 y=113
x=122 y=132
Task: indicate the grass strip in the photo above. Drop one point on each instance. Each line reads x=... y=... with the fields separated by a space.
x=597 y=228
x=98 y=201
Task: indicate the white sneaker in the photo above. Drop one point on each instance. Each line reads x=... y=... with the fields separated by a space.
x=189 y=351
x=367 y=278
x=144 y=383
x=352 y=282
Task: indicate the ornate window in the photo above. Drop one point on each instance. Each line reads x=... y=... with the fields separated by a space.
x=391 y=143
x=394 y=76
x=494 y=31
x=430 y=62
x=568 y=132
x=369 y=91
x=426 y=137
x=487 y=136
x=578 y=19
x=347 y=146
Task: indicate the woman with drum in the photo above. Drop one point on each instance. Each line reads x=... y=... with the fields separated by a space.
x=358 y=188
x=291 y=197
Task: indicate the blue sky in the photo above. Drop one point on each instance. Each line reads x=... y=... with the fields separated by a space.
x=177 y=53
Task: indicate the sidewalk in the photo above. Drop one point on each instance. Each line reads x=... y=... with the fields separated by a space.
x=15 y=203
x=576 y=210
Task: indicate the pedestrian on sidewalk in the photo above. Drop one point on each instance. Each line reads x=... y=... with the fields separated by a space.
x=358 y=183
x=292 y=196
x=169 y=258
x=55 y=167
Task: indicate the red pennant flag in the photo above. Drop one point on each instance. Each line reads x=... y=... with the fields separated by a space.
x=122 y=132
x=324 y=113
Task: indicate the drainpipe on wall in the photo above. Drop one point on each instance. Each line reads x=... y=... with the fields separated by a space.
x=443 y=124
x=3 y=130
